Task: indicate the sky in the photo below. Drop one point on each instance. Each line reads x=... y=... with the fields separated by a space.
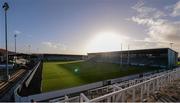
x=82 y=26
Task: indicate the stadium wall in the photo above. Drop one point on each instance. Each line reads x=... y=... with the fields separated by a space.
x=64 y=57
x=172 y=58
x=2 y=57
x=3 y=54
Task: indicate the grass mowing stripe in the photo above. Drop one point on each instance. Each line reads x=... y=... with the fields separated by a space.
x=66 y=74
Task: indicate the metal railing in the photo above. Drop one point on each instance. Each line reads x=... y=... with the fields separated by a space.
x=27 y=82
x=131 y=90
x=27 y=79
x=136 y=90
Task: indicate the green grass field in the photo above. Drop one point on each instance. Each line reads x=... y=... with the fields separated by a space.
x=66 y=74
x=178 y=63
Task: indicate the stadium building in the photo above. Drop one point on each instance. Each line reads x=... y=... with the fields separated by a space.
x=160 y=57
x=65 y=57
x=1 y=58
x=3 y=54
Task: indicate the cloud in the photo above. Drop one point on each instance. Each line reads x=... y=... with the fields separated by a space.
x=159 y=31
x=144 y=11
x=147 y=21
x=49 y=44
x=17 y=32
x=161 y=28
x=176 y=9
x=168 y=31
x=57 y=46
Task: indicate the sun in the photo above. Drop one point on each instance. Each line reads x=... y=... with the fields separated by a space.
x=105 y=41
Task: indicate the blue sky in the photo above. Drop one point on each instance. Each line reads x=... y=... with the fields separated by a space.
x=71 y=26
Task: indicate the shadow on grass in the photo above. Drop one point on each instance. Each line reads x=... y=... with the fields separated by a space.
x=75 y=73
x=94 y=72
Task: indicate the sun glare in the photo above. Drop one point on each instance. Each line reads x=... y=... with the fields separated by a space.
x=105 y=41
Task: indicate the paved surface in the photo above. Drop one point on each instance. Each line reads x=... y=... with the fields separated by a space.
x=171 y=93
x=6 y=88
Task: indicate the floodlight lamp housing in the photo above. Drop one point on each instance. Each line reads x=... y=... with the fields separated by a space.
x=5 y=6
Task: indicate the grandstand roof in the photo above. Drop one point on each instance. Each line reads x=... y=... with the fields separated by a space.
x=62 y=55
x=139 y=50
x=3 y=51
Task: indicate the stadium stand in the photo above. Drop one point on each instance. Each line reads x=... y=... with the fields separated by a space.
x=3 y=54
x=160 y=57
x=64 y=57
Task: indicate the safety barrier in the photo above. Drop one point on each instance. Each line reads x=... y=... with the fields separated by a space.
x=27 y=82
x=27 y=78
x=140 y=91
x=136 y=90
x=58 y=95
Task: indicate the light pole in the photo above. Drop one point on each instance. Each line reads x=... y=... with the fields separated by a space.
x=121 y=54
x=37 y=50
x=171 y=44
x=15 y=35
x=29 y=47
x=6 y=7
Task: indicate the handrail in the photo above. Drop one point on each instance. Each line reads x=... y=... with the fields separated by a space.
x=28 y=75
x=40 y=97
x=146 y=80
x=133 y=86
x=27 y=82
x=121 y=90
